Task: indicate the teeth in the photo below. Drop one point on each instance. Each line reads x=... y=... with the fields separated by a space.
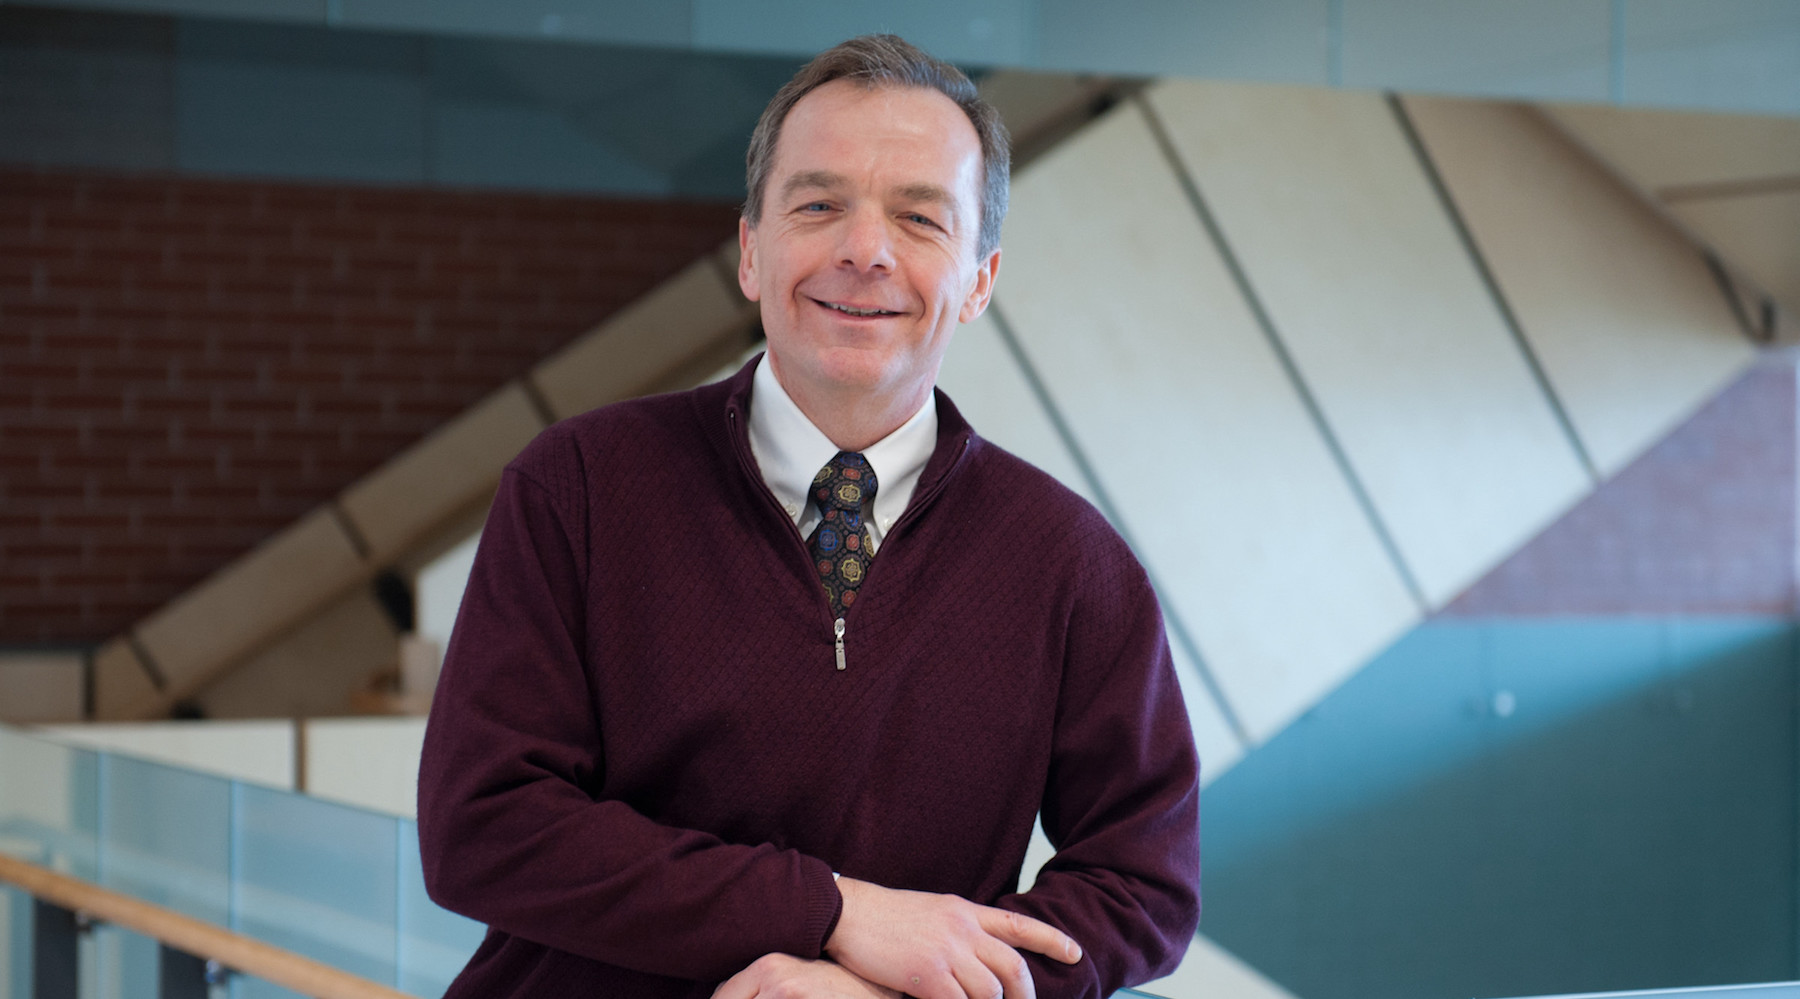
x=859 y=312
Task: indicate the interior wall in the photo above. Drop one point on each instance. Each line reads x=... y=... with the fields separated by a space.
x=314 y=670
x=1378 y=389
x=1523 y=807
x=1702 y=524
x=1582 y=775
x=200 y=95
x=1371 y=346
x=1244 y=326
x=187 y=366
x=259 y=752
x=1725 y=54
x=43 y=686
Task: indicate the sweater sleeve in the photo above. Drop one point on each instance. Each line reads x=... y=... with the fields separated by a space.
x=511 y=831
x=1122 y=801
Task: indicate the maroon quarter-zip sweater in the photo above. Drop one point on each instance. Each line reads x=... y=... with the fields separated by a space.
x=643 y=764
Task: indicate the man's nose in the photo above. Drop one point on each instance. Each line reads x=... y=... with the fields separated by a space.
x=867 y=242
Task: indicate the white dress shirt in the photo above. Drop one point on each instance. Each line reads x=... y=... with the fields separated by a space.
x=790 y=450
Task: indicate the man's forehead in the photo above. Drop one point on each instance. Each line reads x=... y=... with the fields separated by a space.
x=845 y=89
x=845 y=116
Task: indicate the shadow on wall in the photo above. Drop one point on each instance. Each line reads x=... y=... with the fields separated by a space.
x=1522 y=807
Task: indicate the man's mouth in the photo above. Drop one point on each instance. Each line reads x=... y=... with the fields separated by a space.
x=851 y=310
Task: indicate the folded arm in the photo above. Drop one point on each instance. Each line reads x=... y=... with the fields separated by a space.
x=510 y=830
x=1121 y=805
x=1121 y=801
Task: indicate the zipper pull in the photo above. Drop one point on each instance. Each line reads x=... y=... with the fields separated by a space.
x=838 y=629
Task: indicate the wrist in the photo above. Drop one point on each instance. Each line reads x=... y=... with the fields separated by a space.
x=847 y=894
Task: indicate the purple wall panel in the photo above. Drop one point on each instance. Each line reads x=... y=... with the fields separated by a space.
x=1704 y=522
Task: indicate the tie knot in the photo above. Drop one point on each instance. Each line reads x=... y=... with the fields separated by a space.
x=845 y=483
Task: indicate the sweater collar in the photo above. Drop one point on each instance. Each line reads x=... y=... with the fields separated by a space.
x=790 y=449
x=955 y=438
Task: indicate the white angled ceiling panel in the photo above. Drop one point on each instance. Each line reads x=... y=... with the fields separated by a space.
x=1217 y=744
x=1631 y=328
x=1177 y=401
x=1386 y=315
x=1212 y=972
x=1758 y=233
x=982 y=378
x=1663 y=150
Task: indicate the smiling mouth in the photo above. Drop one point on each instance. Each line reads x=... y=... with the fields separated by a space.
x=850 y=310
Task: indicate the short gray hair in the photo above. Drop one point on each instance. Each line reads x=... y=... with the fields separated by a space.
x=876 y=61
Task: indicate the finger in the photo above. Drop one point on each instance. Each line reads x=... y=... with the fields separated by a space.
x=742 y=985
x=1008 y=966
x=1019 y=930
x=748 y=984
x=976 y=980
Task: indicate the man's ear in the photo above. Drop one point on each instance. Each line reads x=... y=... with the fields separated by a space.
x=747 y=260
x=977 y=302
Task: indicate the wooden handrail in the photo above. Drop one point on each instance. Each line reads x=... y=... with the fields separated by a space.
x=193 y=936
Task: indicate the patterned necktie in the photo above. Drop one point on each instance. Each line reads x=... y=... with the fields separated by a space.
x=840 y=544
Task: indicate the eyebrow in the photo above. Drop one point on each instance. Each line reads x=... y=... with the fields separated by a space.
x=822 y=179
x=927 y=192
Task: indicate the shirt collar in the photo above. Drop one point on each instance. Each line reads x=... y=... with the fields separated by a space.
x=790 y=450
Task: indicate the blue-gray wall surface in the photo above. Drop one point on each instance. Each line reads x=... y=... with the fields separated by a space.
x=1741 y=55
x=1582 y=775
x=1520 y=807
x=657 y=100
x=239 y=99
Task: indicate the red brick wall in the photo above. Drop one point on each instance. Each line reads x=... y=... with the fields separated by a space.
x=188 y=365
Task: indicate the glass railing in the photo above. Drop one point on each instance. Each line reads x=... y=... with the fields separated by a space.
x=332 y=882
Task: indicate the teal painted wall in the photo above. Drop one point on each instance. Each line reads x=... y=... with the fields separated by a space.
x=1509 y=807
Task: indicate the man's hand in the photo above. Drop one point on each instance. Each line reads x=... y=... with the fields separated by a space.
x=780 y=976
x=940 y=946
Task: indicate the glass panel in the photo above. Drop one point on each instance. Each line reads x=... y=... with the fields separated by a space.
x=126 y=965
x=49 y=803
x=317 y=879
x=435 y=943
x=88 y=981
x=15 y=942
x=167 y=837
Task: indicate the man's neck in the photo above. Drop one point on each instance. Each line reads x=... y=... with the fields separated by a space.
x=852 y=420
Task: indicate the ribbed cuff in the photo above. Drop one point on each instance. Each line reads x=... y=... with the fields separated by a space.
x=824 y=905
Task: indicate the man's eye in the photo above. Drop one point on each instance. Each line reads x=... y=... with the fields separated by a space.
x=817 y=206
x=920 y=219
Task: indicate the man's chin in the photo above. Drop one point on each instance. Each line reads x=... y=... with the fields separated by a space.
x=859 y=383
x=853 y=370
x=875 y=393
x=850 y=371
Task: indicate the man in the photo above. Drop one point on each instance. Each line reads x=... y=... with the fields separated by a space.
x=763 y=684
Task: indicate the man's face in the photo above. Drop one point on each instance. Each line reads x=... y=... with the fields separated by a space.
x=864 y=258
